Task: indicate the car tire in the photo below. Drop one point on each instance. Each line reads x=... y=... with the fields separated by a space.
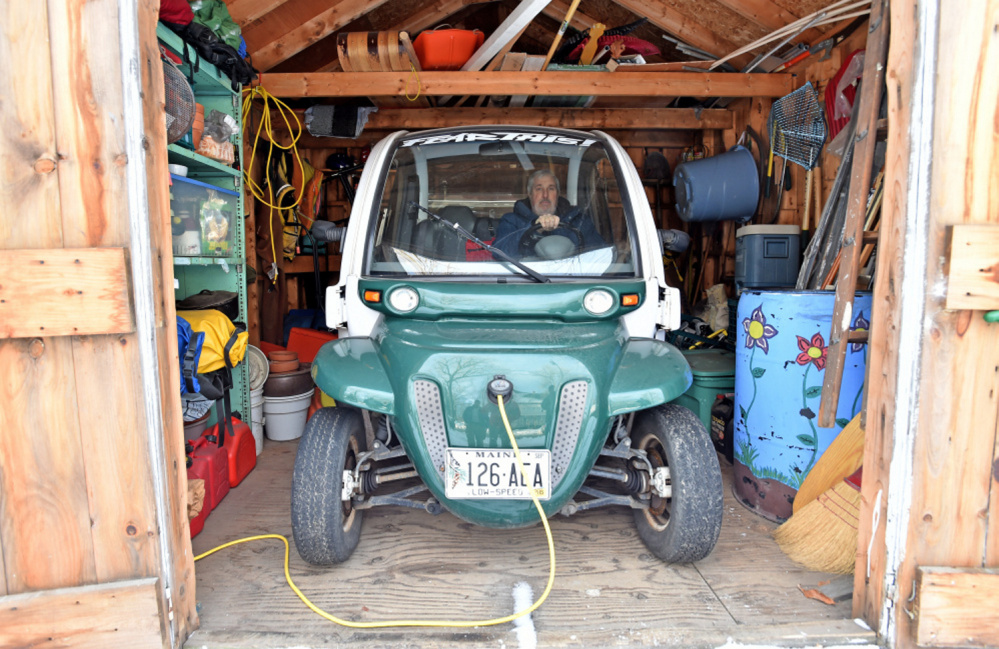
x=326 y=529
x=682 y=528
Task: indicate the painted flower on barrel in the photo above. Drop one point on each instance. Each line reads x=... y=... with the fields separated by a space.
x=812 y=351
x=859 y=324
x=758 y=332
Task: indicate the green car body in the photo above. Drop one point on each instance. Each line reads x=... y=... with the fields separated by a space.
x=536 y=335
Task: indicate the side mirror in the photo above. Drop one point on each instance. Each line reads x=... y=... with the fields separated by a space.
x=674 y=240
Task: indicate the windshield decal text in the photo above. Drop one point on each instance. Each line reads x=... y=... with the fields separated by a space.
x=499 y=136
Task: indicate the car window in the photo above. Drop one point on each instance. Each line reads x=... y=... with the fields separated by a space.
x=482 y=182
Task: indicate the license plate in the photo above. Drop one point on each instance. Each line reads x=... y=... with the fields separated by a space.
x=494 y=473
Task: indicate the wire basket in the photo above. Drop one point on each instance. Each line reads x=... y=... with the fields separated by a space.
x=180 y=104
x=797 y=127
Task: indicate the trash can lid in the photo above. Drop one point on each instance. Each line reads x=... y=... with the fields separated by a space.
x=710 y=362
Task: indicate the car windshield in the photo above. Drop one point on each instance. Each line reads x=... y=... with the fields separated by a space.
x=551 y=200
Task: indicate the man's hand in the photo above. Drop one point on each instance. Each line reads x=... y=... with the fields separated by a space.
x=548 y=221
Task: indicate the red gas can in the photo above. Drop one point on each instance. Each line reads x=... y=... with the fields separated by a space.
x=239 y=446
x=217 y=480
x=198 y=470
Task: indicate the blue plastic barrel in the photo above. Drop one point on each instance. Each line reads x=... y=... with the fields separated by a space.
x=780 y=357
x=724 y=187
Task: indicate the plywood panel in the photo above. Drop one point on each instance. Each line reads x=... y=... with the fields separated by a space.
x=121 y=614
x=64 y=292
x=609 y=590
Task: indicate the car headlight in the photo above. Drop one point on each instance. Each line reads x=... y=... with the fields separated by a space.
x=404 y=299
x=598 y=301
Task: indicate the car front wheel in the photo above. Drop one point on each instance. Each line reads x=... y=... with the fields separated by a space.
x=325 y=525
x=683 y=520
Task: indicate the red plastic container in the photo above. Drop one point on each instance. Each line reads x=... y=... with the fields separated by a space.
x=307 y=342
x=240 y=447
x=217 y=474
x=198 y=470
x=267 y=348
x=446 y=49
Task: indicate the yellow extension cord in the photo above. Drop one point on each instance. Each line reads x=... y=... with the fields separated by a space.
x=265 y=123
x=423 y=623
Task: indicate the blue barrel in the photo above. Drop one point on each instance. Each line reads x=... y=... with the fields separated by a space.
x=780 y=357
x=724 y=187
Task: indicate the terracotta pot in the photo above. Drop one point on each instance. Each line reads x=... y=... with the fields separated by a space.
x=282 y=367
x=283 y=355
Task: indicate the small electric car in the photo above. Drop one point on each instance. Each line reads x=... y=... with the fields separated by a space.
x=452 y=292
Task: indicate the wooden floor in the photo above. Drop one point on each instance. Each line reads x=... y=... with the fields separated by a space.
x=609 y=591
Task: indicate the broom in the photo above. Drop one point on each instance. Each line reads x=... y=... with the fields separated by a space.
x=822 y=535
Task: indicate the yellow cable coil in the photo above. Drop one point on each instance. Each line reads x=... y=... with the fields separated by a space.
x=423 y=623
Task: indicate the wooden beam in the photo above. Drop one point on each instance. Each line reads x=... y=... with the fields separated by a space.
x=117 y=614
x=64 y=292
x=973 y=273
x=680 y=25
x=337 y=16
x=652 y=84
x=244 y=12
x=603 y=119
x=956 y=607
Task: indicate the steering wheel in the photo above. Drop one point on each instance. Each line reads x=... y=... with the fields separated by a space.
x=534 y=234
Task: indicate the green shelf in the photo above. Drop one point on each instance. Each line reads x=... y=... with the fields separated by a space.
x=208 y=80
x=207 y=261
x=199 y=165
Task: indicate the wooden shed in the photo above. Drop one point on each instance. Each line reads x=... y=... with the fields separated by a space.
x=95 y=546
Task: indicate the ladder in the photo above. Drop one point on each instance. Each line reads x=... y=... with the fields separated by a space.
x=854 y=236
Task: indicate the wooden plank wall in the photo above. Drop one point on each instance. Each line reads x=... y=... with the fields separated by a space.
x=952 y=522
x=77 y=503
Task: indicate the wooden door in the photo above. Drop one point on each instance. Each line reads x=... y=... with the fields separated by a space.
x=93 y=528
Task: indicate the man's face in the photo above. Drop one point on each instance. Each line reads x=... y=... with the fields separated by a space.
x=544 y=195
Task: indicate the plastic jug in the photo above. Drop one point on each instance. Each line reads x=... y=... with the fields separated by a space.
x=217 y=475
x=240 y=447
x=198 y=470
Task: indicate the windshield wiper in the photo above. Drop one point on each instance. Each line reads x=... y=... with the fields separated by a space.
x=536 y=276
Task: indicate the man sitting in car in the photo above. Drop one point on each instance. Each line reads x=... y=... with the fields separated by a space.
x=552 y=214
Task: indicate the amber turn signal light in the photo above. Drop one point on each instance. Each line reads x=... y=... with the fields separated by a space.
x=372 y=296
x=631 y=299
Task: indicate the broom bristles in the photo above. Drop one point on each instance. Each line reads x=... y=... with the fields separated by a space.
x=822 y=535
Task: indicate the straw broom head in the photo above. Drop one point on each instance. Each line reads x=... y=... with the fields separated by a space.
x=822 y=535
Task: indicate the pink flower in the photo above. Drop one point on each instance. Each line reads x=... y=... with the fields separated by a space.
x=814 y=351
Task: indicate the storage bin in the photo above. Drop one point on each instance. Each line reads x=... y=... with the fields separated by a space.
x=307 y=342
x=714 y=376
x=446 y=49
x=767 y=256
x=203 y=218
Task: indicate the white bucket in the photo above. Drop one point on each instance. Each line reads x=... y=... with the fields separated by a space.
x=257 y=417
x=285 y=416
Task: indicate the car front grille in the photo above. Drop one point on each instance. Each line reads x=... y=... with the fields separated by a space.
x=572 y=408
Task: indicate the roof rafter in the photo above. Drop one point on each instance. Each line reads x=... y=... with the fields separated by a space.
x=433 y=14
x=556 y=10
x=766 y=14
x=670 y=20
x=634 y=84
x=244 y=12
x=284 y=47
